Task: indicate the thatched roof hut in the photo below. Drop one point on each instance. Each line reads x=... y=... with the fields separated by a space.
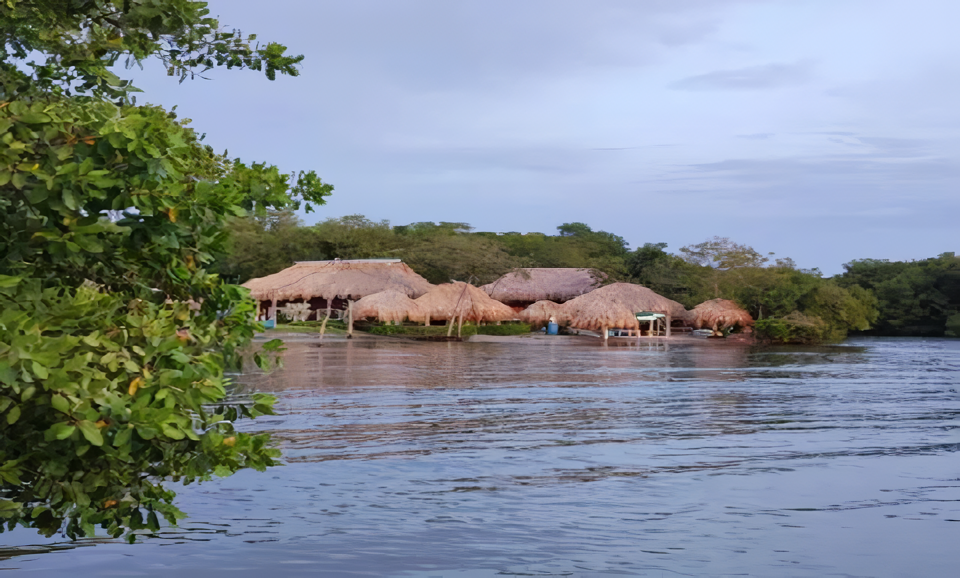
x=451 y=299
x=338 y=279
x=719 y=314
x=388 y=306
x=541 y=312
x=617 y=305
x=524 y=286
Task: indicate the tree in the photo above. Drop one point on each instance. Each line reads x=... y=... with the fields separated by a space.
x=722 y=253
x=260 y=245
x=915 y=298
x=114 y=335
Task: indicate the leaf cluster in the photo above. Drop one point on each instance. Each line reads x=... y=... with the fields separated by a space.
x=114 y=332
x=80 y=41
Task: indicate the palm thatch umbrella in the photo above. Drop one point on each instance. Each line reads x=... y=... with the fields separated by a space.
x=558 y=284
x=541 y=312
x=338 y=280
x=463 y=300
x=390 y=306
x=719 y=314
x=617 y=305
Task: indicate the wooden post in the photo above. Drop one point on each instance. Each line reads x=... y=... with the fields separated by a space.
x=349 y=319
x=668 y=325
x=323 y=326
x=426 y=320
x=459 y=325
x=450 y=326
x=606 y=334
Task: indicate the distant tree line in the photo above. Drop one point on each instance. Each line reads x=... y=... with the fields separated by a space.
x=790 y=304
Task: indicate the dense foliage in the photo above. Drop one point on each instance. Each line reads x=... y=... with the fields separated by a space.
x=114 y=333
x=915 y=298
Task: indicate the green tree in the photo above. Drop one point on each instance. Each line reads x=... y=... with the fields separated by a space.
x=915 y=298
x=355 y=237
x=114 y=335
x=259 y=245
x=722 y=253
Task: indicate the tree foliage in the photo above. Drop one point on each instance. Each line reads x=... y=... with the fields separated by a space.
x=114 y=333
x=915 y=298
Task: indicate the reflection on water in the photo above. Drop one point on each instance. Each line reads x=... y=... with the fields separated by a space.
x=561 y=458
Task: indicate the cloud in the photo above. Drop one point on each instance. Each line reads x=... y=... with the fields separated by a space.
x=760 y=77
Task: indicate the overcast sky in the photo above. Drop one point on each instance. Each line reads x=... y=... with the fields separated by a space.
x=820 y=130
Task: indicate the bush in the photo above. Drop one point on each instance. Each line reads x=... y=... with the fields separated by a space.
x=794 y=328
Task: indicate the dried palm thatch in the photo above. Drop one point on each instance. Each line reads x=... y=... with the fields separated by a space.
x=338 y=280
x=541 y=312
x=544 y=284
x=719 y=314
x=617 y=305
x=449 y=300
x=390 y=306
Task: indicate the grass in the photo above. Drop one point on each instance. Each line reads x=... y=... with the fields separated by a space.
x=437 y=330
x=339 y=327
x=333 y=327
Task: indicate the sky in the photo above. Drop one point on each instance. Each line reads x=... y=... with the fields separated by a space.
x=824 y=131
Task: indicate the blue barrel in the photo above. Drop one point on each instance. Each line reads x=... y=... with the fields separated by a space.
x=552 y=328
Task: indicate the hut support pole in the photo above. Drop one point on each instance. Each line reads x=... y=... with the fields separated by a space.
x=272 y=310
x=426 y=320
x=350 y=319
x=323 y=326
x=450 y=326
x=459 y=325
x=668 y=325
x=606 y=334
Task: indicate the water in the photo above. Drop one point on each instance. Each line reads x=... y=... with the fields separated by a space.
x=556 y=458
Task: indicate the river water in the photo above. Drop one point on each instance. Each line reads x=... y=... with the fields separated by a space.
x=561 y=458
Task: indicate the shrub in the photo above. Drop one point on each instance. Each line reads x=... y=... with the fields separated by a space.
x=794 y=328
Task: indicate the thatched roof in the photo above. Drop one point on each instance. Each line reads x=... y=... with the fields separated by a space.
x=338 y=279
x=719 y=314
x=617 y=305
x=544 y=284
x=542 y=311
x=450 y=299
x=388 y=306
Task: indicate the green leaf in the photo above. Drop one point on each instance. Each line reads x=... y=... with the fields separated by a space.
x=19 y=179
x=122 y=438
x=7 y=281
x=60 y=403
x=34 y=118
x=61 y=430
x=152 y=522
x=91 y=432
x=40 y=371
x=13 y=415
x=69 y=199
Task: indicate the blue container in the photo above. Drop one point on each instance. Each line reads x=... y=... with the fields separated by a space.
x=552 y=328
x=269 y=323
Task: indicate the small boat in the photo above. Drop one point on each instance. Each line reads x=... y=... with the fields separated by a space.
x=702 y=332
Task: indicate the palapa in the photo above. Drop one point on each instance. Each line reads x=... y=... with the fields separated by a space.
x=450 y=300
x=720 y=314
x=338 y=280
x=544 y=284
x=390 y=306
x=541 y=312
x=617 y=305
